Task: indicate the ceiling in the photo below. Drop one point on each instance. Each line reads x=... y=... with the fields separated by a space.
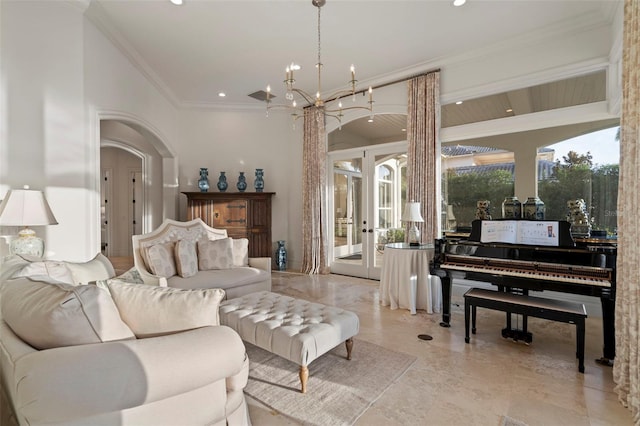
x=195 y=51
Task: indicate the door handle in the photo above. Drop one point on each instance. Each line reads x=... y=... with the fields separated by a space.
x=364 y=230
x=371 y=231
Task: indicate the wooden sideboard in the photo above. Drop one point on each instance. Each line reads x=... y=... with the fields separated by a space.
x=242 y=214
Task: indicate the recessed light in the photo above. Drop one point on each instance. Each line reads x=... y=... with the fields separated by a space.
x=222 y=94
x=459 y=103
x=370 y=120
x=404 y=130
x=176 y=2
x=459 y=2
x=509 y=110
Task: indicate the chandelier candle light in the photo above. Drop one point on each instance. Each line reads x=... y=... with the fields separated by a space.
x=412 y=215
x=317 y=100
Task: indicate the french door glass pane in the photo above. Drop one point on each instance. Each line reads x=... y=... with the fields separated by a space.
x=347 y=202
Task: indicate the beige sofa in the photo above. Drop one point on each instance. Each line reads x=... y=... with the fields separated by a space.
x=192 y=255
x=114 y=353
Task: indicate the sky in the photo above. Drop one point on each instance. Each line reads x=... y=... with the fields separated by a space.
x=603 y=146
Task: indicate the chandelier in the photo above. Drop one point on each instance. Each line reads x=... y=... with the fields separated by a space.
x=330 y=110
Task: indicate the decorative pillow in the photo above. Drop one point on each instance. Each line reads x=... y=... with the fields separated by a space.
x=186 y=258
x=49 y=271
x=161 y=261
x=48 y=315
x=241 y=252
x=98 y=268
x=155 y=311
x=131 y=276
x=216 y=254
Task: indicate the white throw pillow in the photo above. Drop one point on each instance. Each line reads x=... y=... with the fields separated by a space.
x=47 y=315
x=241 y=252
x=98 y=268
x=49 y=270
x=161 y=260
x=216 y=254
x=186 y=258
x=155 y=311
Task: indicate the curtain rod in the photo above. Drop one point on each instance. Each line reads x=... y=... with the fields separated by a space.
x=400 y=80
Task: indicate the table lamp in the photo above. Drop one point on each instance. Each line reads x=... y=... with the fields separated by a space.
x=412 y=215
x=25 y=207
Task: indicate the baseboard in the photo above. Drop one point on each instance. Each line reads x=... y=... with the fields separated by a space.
x=592 y=304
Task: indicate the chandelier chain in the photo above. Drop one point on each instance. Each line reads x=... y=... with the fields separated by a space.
x=319 y=64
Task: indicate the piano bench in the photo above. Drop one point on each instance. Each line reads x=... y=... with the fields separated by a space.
x=555 y=310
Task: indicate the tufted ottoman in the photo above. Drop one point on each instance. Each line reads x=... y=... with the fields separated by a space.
x=295 y=329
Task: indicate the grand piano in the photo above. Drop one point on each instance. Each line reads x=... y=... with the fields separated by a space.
x=584 y=266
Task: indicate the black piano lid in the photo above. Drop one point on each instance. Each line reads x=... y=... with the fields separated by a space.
x=564 y=232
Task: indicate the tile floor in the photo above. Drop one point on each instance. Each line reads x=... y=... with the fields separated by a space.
x=453 y=383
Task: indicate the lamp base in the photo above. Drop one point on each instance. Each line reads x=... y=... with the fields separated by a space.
x=27 y=244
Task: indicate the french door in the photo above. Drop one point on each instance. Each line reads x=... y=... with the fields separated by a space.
x=368 y=191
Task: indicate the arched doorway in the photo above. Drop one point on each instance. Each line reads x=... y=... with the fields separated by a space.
x=147 y=172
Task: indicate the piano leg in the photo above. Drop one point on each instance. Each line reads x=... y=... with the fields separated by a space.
x=608 y=330
x=445 y=282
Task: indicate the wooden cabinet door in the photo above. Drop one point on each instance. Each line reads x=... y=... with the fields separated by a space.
x=243 y=215
x=230 y=215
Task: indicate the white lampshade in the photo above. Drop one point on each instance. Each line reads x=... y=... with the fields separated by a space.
x=412 y=212
x=24 y=207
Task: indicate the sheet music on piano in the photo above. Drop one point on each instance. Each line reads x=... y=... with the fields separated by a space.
x=543 y=233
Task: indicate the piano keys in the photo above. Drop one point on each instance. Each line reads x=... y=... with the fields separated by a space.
x=576 y=266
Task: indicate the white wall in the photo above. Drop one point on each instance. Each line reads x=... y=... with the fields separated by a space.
x=43 y=142
x=243 y=141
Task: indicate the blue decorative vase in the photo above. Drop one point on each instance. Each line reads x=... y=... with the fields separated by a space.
x=281 y=256
x=222 y=182
x=258 y=184
x=533 y=209
x=511 y=208
x=242 y=182
x=203 y=182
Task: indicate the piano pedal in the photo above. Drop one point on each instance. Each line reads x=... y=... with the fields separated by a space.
x=517 y=335
x=605 y=361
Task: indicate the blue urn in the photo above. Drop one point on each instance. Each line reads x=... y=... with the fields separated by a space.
x=222 y=182
x=281 y=256
x=203 y=182
x=242 y=182
x=258 y=184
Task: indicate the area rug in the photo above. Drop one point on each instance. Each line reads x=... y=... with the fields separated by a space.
x=338 y=390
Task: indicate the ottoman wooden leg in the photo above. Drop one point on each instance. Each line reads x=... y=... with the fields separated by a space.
x=349 y=345
x=304 y=375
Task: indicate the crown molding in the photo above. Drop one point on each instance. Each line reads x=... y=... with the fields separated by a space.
x=99 y=18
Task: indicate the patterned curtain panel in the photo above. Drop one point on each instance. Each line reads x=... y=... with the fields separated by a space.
x=423 y=169
x=314 y=188
x=626 y=368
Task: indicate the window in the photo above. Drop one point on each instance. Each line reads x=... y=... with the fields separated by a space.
x=470 y=174
x=585 y=167
x=385 y=197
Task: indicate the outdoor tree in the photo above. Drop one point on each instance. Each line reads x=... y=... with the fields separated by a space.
x=465 y=190
x=577 y=177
